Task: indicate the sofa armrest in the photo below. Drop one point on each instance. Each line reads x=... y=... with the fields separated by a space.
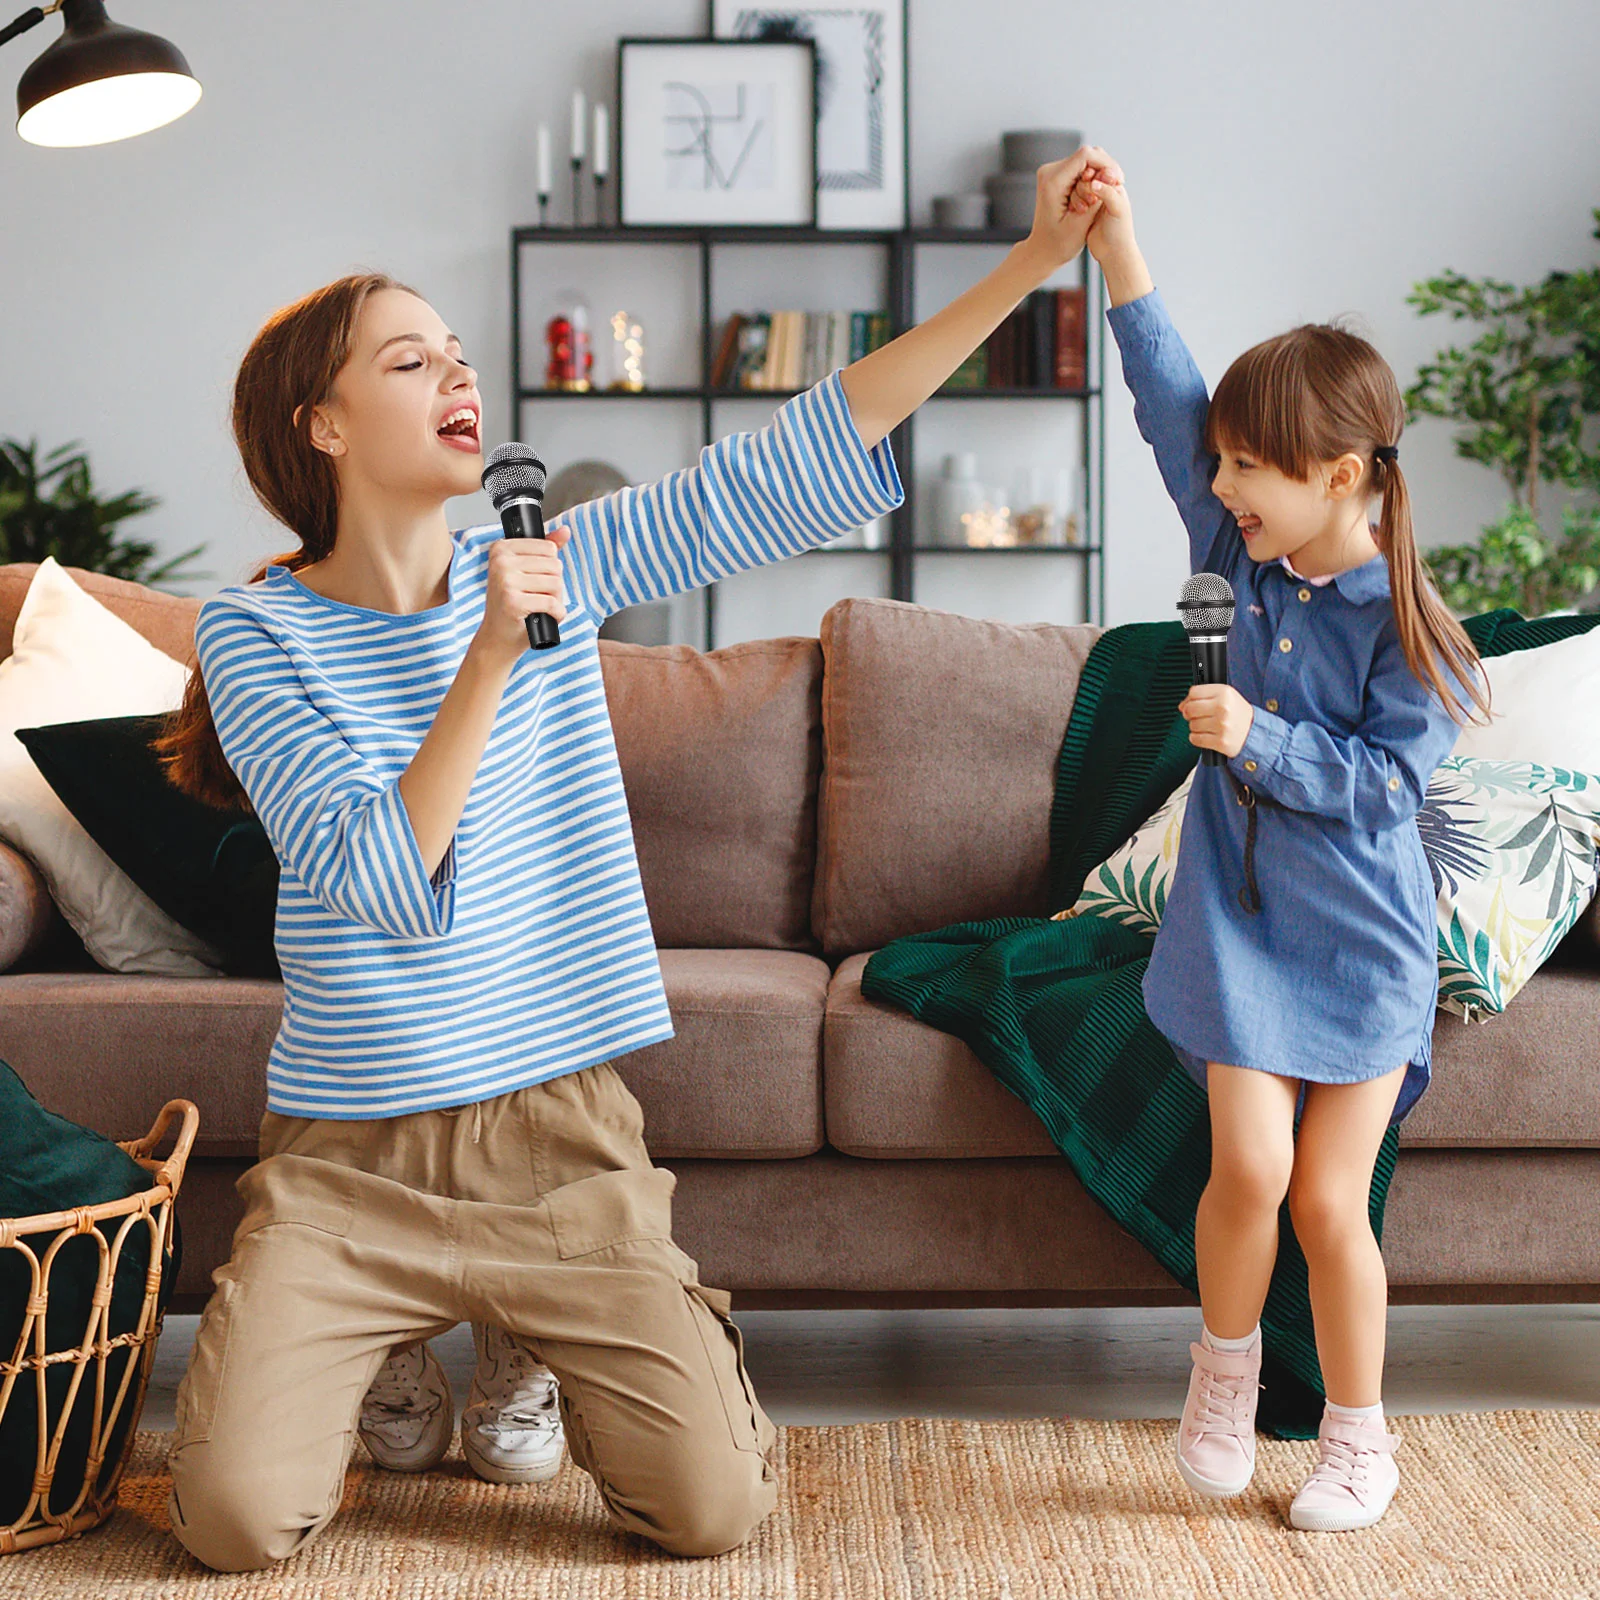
x=28 y=916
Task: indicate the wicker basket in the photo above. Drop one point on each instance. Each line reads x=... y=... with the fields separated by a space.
x=151 y=1209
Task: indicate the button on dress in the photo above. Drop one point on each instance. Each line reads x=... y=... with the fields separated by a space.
x=1336 y=979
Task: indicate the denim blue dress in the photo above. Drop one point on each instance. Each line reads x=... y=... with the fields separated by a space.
x=1336 y=978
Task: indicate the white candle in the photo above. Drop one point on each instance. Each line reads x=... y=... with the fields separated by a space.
x=577 y=124
x=602 y=139
x=542 y=147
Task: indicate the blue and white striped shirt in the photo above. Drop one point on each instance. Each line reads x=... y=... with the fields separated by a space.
x=528 y=953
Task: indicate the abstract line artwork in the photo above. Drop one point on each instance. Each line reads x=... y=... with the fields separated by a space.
x=718 y=136
x=717 y=131
x=851 y=59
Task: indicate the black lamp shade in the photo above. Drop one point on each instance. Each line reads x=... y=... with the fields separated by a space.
x=101 y=81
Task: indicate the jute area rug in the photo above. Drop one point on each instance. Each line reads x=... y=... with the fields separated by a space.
x=1495 y=1504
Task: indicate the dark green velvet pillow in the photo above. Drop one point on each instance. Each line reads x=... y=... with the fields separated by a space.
x=50 y=1164
x=212 y=871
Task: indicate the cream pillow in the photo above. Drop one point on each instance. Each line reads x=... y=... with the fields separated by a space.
x=1546 y=706
x=73 y=659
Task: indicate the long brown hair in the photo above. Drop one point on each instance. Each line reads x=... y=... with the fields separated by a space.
x=288 y=369
x=1319 y=392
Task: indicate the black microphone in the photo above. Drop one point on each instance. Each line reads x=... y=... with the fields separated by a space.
x=1206 y=606
x=514 y=479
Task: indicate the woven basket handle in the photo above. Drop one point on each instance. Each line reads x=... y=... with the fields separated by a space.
x=170 y=1172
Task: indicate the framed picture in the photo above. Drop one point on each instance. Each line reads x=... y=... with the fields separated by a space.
x=862 y=117
x=717 y=131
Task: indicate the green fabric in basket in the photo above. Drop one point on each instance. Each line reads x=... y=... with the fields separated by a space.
x=1056 y=1009
x=50 y=1164
x=212 y=871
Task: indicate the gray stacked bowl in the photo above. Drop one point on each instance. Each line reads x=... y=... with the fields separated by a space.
x=1012 y=189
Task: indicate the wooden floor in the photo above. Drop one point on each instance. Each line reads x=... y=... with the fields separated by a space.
x=817 y=1367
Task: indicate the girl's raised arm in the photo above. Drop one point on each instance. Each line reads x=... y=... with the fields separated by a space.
x=1169 y=395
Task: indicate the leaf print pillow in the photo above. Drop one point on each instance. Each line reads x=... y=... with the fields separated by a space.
x=1514 y=849
x=1131 y=887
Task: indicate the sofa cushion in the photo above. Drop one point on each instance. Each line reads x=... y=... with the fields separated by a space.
x=720 y=753
x=897 y=1089
x=742 y=1077
x=27 y=913
x=941 y=734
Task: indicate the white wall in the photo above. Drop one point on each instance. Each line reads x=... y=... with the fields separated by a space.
x=1287 y=161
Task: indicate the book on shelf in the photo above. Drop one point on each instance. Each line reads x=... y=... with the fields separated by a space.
x=1071 y=340
x=792 y=349
x=973 y=373
x=1042 y=344
x=727 y=355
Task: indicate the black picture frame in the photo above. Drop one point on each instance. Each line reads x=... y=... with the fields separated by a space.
x=803 y=215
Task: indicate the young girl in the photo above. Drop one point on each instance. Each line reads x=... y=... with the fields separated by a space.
x=1302 y=975
x=463 y=936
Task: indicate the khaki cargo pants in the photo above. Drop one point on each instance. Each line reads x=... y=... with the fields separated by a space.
x=538 y=1211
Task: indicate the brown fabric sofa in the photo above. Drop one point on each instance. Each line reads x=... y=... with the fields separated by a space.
x=798 y=802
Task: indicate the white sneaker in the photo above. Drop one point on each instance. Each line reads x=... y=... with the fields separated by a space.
x=1353 y=1482
x=511 y=1428
x=407 y=1416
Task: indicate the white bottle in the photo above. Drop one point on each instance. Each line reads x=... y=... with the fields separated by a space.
x=956 y=494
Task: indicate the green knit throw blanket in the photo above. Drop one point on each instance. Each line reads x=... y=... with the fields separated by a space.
x=1056 y=1011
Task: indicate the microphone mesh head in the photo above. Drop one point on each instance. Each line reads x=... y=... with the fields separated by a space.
x=513 y=469
x=1206 y=603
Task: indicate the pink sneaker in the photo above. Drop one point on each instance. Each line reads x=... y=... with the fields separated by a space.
x=1353 y=1482
x=1217 y=1436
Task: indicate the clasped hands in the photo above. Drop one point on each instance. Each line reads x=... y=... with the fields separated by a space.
x=1077 y=196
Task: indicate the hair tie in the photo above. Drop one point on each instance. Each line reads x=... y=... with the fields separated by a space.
x=1387 y=452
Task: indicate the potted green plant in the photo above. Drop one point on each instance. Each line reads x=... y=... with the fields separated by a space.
x=1527 y=393
x=50 y=508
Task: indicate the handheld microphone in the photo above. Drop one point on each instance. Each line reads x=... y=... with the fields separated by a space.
x=1206 y=606
x=514 y=479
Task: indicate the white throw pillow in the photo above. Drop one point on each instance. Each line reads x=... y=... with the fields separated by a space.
x=73 y=659
x=1546 y=706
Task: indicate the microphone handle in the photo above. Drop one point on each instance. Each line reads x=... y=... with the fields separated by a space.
x=524 y=519
x=1208 y=652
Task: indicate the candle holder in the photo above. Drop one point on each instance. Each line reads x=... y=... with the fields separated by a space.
x=627 y=352
x=570 y=364
x=599 y=199
x=544 y=208
x=577 y=191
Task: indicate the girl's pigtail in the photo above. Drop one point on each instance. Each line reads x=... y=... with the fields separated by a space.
x=1427 y=629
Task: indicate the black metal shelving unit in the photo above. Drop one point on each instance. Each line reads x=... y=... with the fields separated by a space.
x=901 y=245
